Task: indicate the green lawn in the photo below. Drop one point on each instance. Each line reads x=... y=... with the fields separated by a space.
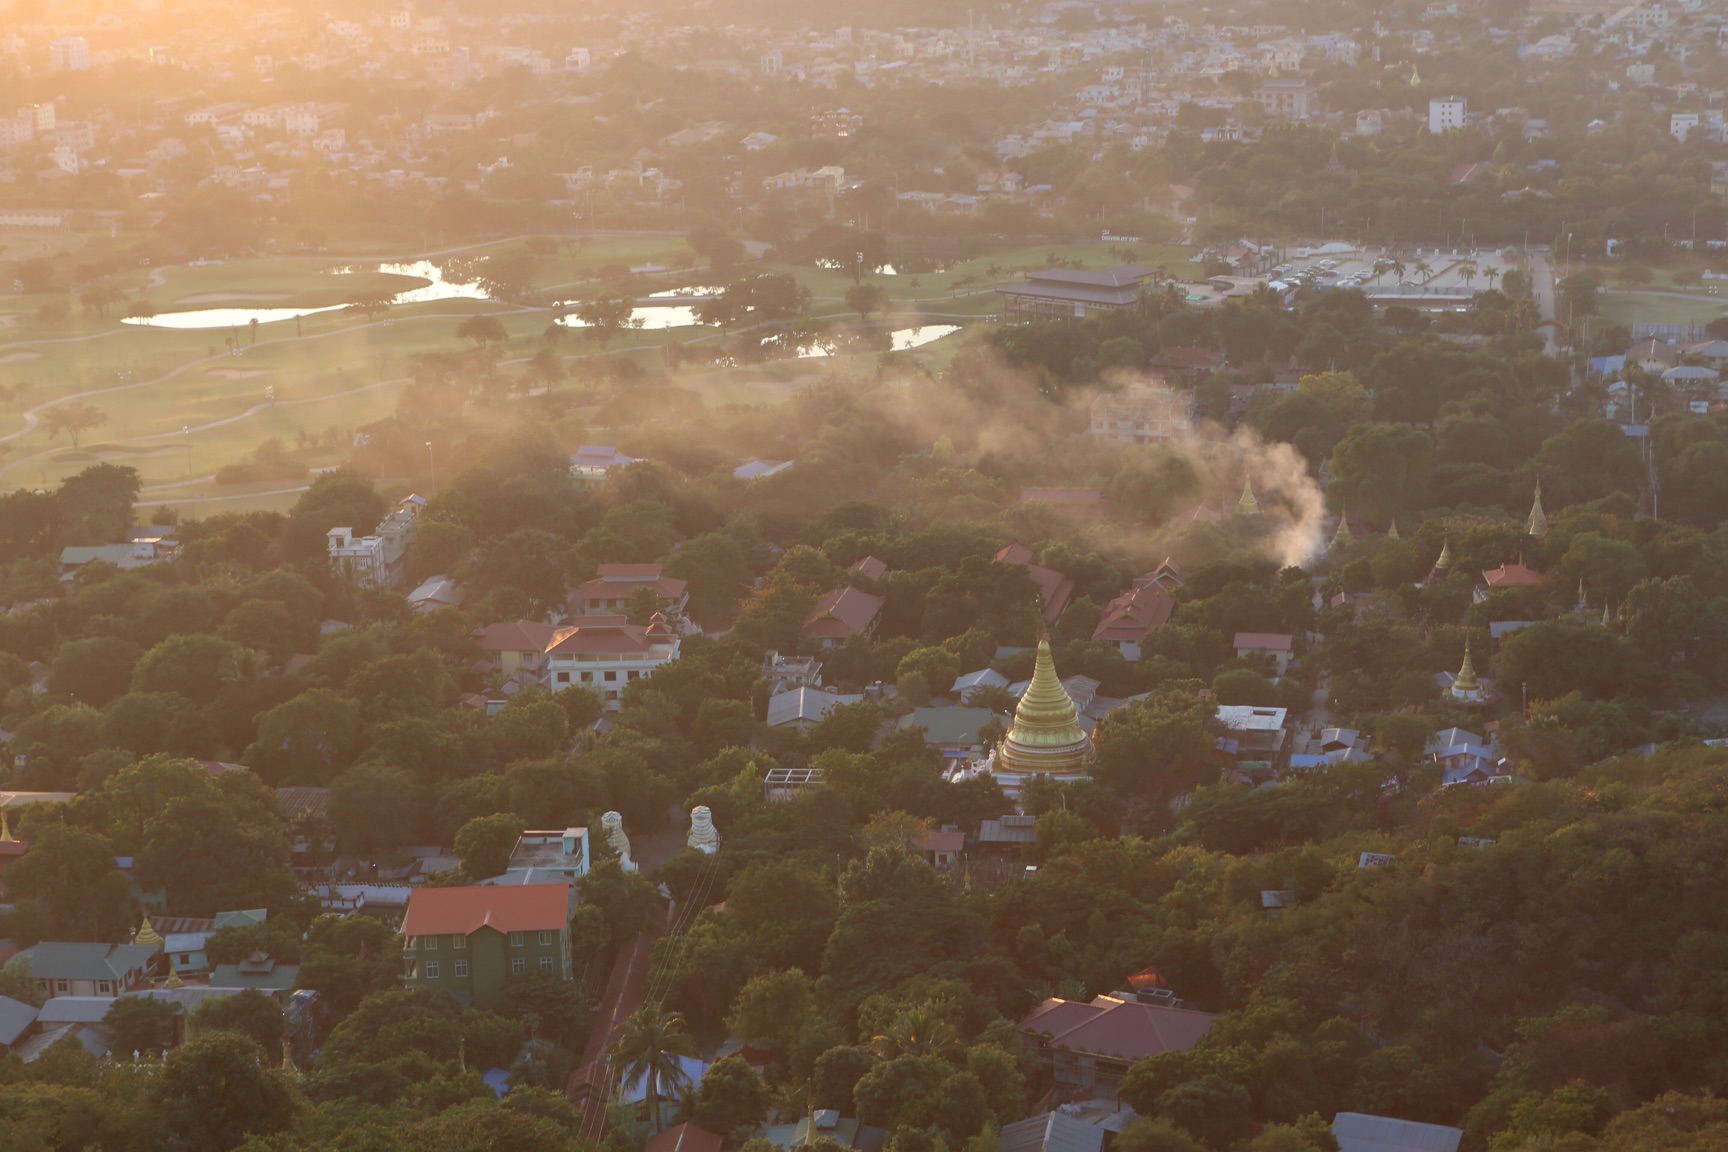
x=1667 y=307
x=342 y=370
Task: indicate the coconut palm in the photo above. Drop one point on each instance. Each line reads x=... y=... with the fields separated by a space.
x=1467 y=273
x=1422 y=269
x=649 y=1046
x=915 y=1032
x=1491 y=274
x=1398 y=269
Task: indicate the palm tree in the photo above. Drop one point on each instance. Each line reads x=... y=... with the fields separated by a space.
x=1398 y=268
x=1492 y=274
x=649 y=1046
x=1422 y=269
x=915 y=1032
x=1467 y=273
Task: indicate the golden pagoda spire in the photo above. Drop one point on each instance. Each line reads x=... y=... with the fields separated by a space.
x=1046 y=736
x=1415 y=76
x=147 y=935
x=1247 y=506
x=5 y=829
x=1466 y=681
x=1341 y=538
x=1444 y=563
x=173 y=980
x=1537 y=523
x=1392 y=532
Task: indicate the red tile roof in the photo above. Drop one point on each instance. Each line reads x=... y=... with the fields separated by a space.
x=1054 y=589
x=520 y=636
x=1199 y=514
x=619 y=587
x=931 y=841
x=460 y=911
x=872 y=568
x=841 y=613
x=1123 y=1030
x=600 y=636
x=631 y=571
x=1016 y=554
x=1264 y=641
x=1511 y=575
x=1134 y=615
x=684 y=1138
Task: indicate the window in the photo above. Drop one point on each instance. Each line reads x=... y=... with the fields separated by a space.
x=587 y=677
x=413 y=969
x=563 y=677
x=104 y=986
x=431 y=969
x=62 y=986
x=545 y=939
x=518 y=966
x=410 y=943
x=459 y=942
x=611 y=677
x=461 y=968
x=545 y=963
x=515 y=939
x=183 y=959
x=431 y=944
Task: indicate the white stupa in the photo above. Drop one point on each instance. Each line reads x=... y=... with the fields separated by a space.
x=613 y=823
x=703 y=838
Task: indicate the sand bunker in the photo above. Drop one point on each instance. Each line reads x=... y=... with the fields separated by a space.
x=14 y=357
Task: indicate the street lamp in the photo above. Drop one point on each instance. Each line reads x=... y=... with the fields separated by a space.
x=432 y=463
x=186 y=431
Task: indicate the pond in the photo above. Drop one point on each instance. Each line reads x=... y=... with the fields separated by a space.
x=435 y=288
x=900 y=340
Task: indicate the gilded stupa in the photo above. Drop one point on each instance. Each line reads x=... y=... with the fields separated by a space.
x=1046 y=738
x=1342 y=537
x=1537 y=523
x=1466 y=688
x=1247 y=506
x=146 y=934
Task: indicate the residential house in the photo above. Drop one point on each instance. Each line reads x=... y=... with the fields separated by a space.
x=468 y=941
x=1187 y=364
x=785 y=673
x=871 y=569
x=260 y=972
x=940 y=848
x=1652 y=355
x=608 y=594
x=1256 y=737
x=1055 y=590
x=1071 y=295
x=1285 y=98
x=968 y=682
x=604 y=653
x=801 y=709
x=436 y=592
x=594 y=462
x=184 y=938
x=515 y=647
x=133 y=554
x=1360 y=1132
x=842 y=613
x=68 y=969
x=952 y=731
x=1132 y=617
x=1276 y=646
x=1087 y=1047
x=1167 y=577
x=380 y=558
x=684 y=1137
x=1142 y=413
x=562 y=855
x=1447 y=114
x=16 y=1018
x=1051 y=1132
x=1199 y=514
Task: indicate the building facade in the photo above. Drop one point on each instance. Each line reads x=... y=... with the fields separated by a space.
x=470 y=941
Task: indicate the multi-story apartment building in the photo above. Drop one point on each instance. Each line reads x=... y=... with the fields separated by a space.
x=470 y=941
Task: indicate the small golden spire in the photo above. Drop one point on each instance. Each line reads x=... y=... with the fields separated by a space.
x=1466 y=681
x=1392 y=532
x=5 y=829
x=1247 y=506
x=1536 y=524
x=147 y=935
x=173 y=980
x=1444 y=563
x=1342 y=538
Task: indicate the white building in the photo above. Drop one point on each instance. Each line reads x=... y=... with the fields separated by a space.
x=1447 y=114
x=378 y=558
x=1142 y=413
x=302 y=120
x=565 y=853
x=604 y=653
x=1680 y=125
x=70 y=54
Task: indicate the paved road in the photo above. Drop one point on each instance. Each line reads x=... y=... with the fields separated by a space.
x=1542 y=284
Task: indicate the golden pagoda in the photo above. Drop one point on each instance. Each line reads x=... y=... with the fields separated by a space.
x=5 y=829
x=1444 y=563
x=1247 y=506
x=1342 y=538
x=1466 y=687
x=147 y=935
x=1537 y=523
x=1046 y=738
x=1392 y=532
